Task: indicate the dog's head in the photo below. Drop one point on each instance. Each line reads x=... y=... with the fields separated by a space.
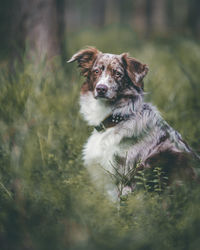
x=108 y=75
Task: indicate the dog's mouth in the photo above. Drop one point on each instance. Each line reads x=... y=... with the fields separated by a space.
x=102 y=97
x=105 y=98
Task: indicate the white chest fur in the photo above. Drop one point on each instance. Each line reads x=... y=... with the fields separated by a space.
x=94 y=111
x=101 y=146
x=98 y=156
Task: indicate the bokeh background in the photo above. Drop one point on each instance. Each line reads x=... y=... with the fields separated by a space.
x=47 y=200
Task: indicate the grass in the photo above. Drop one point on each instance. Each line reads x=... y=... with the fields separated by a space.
x=47 y=200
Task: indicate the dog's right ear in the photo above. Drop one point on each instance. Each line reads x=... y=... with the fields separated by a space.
x=85 y=59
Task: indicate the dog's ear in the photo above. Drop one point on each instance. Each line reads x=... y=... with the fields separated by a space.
x=136 y=70
x=85 y=59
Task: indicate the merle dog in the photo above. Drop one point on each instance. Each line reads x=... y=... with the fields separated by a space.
x=125 y=126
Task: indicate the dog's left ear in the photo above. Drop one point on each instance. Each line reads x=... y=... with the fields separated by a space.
x=135 y=70
x=85 y=59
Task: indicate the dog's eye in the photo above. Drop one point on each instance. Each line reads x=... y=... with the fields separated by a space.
x=96 y=71
x=117 y=74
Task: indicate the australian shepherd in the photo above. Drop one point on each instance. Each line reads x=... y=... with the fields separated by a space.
x=129 y=134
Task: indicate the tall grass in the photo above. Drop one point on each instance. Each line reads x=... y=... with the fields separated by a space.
x=47 y=200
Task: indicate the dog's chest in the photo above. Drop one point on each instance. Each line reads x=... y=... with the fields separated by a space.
x=101 y=149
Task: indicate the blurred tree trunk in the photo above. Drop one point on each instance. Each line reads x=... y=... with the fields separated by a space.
x=61 y=24
x=159 y=16
x=180 y=10
x=170 y=14
x=38 y=26
x=112 y=9
x=98 y=13
x=194 y=17
x=149 y=11
x=149 y=16
x=139 y=16
x=41 y=27
x=125 y=11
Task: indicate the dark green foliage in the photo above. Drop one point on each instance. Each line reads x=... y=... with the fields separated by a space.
x=47 y=200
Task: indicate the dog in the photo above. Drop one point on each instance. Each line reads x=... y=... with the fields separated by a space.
x=129 y=134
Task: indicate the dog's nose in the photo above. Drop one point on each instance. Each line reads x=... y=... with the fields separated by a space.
x=101 y=89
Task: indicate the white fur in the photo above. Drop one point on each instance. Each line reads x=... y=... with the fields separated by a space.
x=101 y=146
x=93 y=110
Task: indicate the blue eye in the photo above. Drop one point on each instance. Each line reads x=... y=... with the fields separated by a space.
x=96 y=71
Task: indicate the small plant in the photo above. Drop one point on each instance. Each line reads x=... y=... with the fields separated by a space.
x=160 y=180
x=151 y=180
x=130 y=180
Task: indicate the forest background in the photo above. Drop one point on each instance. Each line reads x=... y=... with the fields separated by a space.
x=47 y=200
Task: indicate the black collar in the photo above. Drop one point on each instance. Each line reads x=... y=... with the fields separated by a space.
x=111 y=121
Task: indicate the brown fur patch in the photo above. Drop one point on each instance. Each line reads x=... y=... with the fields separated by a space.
x=177 y=165
x=86 y=87
x=86 y=59
x=135 y=70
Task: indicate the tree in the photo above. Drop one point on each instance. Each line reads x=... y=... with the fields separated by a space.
x=98 y=13
x=38 y=26
x=159 y=18
x=139 y=15
x=194 y=17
